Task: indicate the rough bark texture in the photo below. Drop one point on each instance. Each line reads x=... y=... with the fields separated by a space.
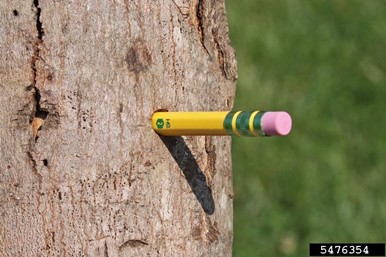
x=81 y=171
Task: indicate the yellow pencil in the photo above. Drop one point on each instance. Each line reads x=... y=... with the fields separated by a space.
x=240 y=123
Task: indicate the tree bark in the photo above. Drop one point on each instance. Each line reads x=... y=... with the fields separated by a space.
x=82 y=173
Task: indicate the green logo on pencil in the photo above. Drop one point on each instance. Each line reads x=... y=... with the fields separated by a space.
x=160 y=123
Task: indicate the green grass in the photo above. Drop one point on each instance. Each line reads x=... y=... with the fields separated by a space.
x=325 y=63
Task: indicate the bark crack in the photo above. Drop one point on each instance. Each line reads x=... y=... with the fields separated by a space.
x=106 y=250
x=39 y=114
x=200 y=18
x=180 y=9
x=36 y=172
x=39 y=24
x=210 y=169
x=197 y=14
x=220 y=55
x=133 y=243
x=34 y=164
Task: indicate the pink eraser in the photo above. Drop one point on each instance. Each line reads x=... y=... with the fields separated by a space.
x=276 y=123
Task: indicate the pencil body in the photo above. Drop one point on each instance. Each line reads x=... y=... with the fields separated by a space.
x=240 y=123
x=189 y=123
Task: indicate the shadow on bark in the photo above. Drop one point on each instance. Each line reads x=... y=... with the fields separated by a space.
x=193 y=174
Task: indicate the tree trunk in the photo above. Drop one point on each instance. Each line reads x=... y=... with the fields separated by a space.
x=82 y=173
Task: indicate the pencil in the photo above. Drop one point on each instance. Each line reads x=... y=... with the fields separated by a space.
x=239 y=123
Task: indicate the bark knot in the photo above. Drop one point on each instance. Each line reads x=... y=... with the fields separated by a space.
x=138 y=57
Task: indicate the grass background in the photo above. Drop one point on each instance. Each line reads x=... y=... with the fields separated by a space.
x=325 y=63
